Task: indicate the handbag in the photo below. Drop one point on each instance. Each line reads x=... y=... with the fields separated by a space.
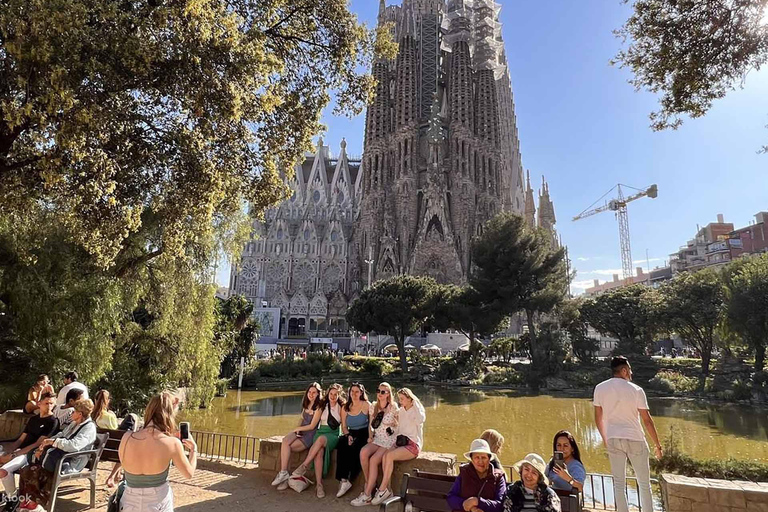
x=113 y=505
x=52 y=458
x=299 y=483
x=376 y=423
x=333 y=423
x=402 y=440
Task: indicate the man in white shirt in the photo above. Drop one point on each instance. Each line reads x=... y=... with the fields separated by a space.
x=70 y=382
x=619 y=407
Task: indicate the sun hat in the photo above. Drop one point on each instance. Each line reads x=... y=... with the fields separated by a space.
x=537 y=462
x=479 y=446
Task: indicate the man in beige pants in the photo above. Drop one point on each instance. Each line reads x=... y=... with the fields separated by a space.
x=619 y=407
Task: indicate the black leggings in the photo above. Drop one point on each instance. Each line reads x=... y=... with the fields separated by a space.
x=348 y=457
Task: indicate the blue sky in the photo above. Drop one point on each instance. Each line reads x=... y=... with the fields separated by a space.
x=585 y=128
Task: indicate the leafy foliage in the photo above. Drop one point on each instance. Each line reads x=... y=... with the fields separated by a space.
x=516 y=270
x=398 y=306
x=572 y=321
x=692 y=305
x=747 y=281
x=235 y=333
x=148 y=123
x=692 y=52
x=626 y=314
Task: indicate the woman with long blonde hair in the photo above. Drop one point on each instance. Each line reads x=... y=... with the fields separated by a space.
x=101 y=414
x=382 y=435
x=146 y=456
x=409 y=443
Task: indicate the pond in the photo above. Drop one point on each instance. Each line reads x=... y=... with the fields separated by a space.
x=456 y=416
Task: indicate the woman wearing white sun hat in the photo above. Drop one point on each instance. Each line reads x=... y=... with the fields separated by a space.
x=479 y=487
x=532 y=491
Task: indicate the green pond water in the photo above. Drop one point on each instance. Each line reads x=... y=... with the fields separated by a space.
x=457 y=416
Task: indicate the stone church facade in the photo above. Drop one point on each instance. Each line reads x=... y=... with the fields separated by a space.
x=441 y=145
x=298 y=258
x=441 y=157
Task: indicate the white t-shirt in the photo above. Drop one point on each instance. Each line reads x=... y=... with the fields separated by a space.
x=335 y=410
x=62 y=398
x=411 y=423
x=620 y=400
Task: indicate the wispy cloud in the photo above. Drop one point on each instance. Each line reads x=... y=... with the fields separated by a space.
x=600 y=272
x=649 y=260
x=579 y=287
x=582 y=259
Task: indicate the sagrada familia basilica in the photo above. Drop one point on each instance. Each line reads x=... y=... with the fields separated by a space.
x=441 y=157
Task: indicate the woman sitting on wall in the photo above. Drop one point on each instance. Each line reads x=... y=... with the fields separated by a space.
x=326 y=438
x=42 y=385
x=570 y=474
x=301 y=438
x=381 y=437
x=354 y=426
x=479 y=487
x=410 y=440
x=532 y=491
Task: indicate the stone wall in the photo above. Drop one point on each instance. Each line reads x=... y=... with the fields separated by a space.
x=686 y=494
x=269 y=461
x=12 y=424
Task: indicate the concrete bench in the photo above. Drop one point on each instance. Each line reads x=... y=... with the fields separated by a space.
x=431 y=462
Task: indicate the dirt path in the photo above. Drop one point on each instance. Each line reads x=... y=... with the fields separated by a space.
x=218 y=487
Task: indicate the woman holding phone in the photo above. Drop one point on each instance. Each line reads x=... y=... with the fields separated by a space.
x=565 y=470
x=381 y=437
x=146 y=457
x=302 y=437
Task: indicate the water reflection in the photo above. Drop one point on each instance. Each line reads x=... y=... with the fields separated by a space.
x=456 y=416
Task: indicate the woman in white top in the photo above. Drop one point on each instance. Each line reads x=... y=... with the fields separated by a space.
x=382 y=435
x=410 y=439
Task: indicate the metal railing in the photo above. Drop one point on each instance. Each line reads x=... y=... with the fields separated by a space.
x=227 y=447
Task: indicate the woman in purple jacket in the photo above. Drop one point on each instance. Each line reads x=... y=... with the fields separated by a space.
x=479 y=487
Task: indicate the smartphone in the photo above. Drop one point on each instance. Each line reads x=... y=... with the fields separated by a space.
x=559 y=460
x=184 y=430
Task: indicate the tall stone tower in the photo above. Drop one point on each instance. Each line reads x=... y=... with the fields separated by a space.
x=442 y=154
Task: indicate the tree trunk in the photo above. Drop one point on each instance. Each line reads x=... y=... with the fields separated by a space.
x=759 y=357
x=535 y=356
x=400 y=342
x=706 y=357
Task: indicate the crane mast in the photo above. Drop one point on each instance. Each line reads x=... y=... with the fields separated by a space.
x=619 y=206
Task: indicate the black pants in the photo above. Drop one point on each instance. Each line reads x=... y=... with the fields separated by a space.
x=348 y=456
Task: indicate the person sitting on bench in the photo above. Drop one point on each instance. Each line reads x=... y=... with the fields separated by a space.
x=479 y=487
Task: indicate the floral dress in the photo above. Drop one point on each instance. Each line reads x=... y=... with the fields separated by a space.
x=380 y=435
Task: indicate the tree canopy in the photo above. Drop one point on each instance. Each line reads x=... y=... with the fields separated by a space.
x=156 y=119
x=747 y=280
x=515 y=269
x=692 y=305
x=398 y=306
x=692 y=52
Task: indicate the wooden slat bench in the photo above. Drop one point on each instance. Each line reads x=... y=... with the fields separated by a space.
x=569 y=502
x=425 y=491
x=110 y=453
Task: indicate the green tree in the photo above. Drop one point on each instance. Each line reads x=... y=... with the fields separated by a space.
x=463 y=309
x=503 y=348
x=147 y=124
x=572 y=322
x=693 y=305
x=692 y=52
x=747 y=282
x=517 y=270
x=398 y=306
x=235 y=332
x=626 y=314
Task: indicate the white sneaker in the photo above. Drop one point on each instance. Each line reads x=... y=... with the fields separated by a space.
x=345 y=486
x=281 y=477
x=320 y=491
x=361 y=501
x=381 y=496
x=283 y=486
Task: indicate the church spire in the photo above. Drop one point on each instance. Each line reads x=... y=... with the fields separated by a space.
x=530 y=205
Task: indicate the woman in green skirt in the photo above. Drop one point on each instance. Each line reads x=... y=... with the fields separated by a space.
x=326 y=438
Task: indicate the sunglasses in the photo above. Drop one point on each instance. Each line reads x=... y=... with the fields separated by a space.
x=382 y=391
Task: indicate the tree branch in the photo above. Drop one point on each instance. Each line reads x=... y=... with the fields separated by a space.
x=131 y=264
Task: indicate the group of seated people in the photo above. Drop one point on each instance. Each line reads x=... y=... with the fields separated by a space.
x=368 y=436
x=58 y=425
x=371 y=437
x=482 y=485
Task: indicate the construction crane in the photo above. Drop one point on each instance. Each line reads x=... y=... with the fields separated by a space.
x=619 y=205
